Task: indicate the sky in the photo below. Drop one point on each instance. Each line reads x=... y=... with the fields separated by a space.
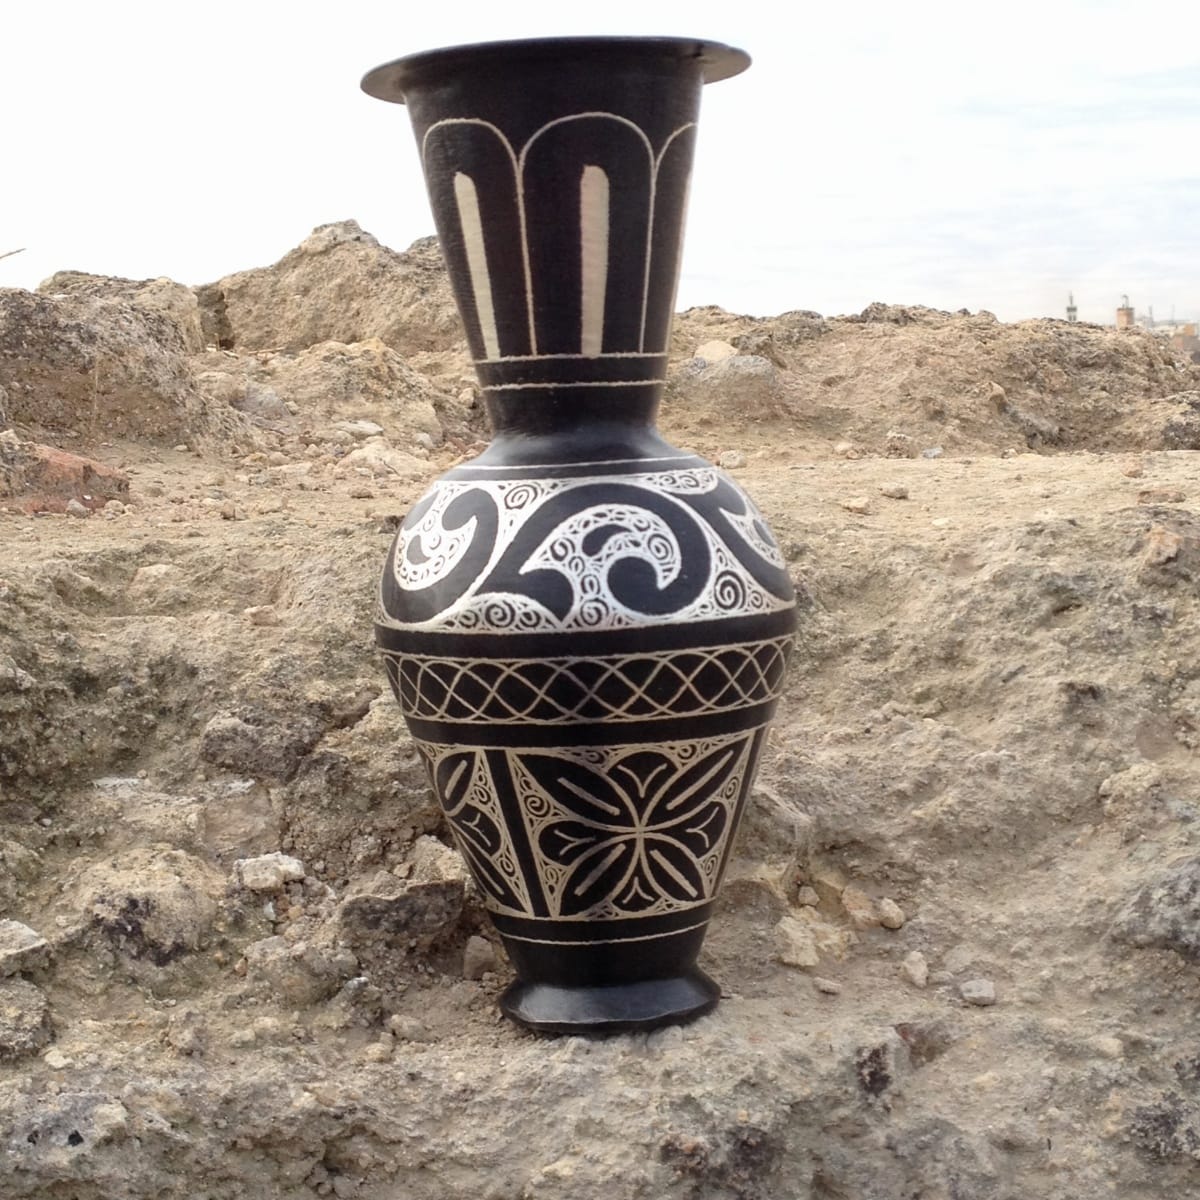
x=949 y=154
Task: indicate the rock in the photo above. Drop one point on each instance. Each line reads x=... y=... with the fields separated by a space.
x=730 y=460
x=803 y=937
x=380 y=460
x=997 y=396
x=715 y=351
x=1162 y=546
x=24 y=1019
x=409 y=1029
x=808 y=897
x=377 y=1052
x=1161 y=496
x=1165 y=913
x=186 y=1032
x=150 y=905
x=359 y=429
x=891 y=915
x=915 y=969
x=340 y=285
x=894 y=491
x=56 y=1060
x=252 y=742
x=45 y=478
x=299 y=973
x=265 y=615
x=860 y=908
x=847 y=450
x=267 y=872
x=385 y=913
x=979 y=992
x=932 y=452
x=75 y=509
x=478 y=957
x=899 y=445
x=829 y=987
x=741 y=386
x=857 y=504
x=21 y=949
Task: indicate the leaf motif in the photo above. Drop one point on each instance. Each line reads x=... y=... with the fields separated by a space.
x=597 y=875
x=586 y=794
x=693 y=788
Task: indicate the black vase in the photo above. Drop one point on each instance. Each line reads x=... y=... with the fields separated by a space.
x=587 y=629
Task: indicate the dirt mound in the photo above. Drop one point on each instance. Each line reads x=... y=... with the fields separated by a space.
x=338 y=285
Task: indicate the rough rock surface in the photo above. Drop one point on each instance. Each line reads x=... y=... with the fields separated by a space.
x=958 y=945
x=338 y=285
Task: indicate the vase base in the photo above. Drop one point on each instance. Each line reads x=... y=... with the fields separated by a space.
x=626 y=1007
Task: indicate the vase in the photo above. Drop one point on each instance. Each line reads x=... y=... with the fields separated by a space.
x=587 y=629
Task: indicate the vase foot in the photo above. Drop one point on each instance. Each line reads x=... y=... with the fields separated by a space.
x=625 y=1007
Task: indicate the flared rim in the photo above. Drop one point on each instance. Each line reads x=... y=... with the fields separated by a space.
x=391 y=80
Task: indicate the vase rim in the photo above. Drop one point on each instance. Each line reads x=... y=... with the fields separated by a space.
x=390 y=80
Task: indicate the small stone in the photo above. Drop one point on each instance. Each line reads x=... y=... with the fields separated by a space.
x=932 y=452
x=1108 y=1046
x=997 y=395
x=378 y=1052
x=847 y=450
x=361 y=492
x=860 y=908
x=899 y=445
x=1160 y=496
x=1134 y=469
x=56 y=1060
x=942 y=522
x=180 y=449
x=891 y=915
x=24 y=1019
x=21 y=948
x=408 y=1029
x=715 y=351
x=979 y=992
x=115 y=508
x=915 y=969
x=229 y=511
x=731 y=460
x=1162 y=546
x=359 y=429
x=894 y=491
x=830 y=987
x=267 y=872
x=857 y=504
x=808 y=897
x=75 y=509
x=478 y=957
x=261 y=614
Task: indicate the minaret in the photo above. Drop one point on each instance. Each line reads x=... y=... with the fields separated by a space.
x=1125 y=314
x=1072 y=311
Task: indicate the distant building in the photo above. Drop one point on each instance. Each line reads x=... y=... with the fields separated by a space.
x=1125 y=317
x=1072 y=311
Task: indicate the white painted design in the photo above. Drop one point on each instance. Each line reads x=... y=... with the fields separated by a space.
x=471 y=222
x=631 y=532
x=519 y=160
x=593 y=236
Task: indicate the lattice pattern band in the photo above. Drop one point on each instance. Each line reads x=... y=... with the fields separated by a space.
x=626 y=687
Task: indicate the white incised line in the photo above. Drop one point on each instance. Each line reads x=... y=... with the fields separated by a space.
x=518 y=162
x=467 y=199
x=593 y=256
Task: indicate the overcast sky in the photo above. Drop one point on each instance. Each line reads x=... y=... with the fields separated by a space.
x=949 y=154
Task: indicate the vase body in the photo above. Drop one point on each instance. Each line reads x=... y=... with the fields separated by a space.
x=587 y=629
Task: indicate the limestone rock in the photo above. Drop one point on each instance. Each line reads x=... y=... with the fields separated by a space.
x=1165 y=913
x=21 y=949
x=478 y=957
x=24 y=1019
x=268 y=872
x=380 y=460
x=301 y=972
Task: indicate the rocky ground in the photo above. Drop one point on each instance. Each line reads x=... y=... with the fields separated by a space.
x=237 y=959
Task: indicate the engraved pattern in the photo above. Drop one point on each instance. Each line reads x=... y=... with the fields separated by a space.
x=462 y=783
x=585 y=553
x=615 y=832
x=623 y=831
x=624 y=687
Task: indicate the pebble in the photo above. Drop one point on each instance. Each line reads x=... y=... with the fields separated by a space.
x=942 y=522
x=361 y=492
x=731 y=459
x=478 y=957
x=1133 y=470
x=21 y=948
x=857 y=504
x=56 y=1060
x=378 y=1052
x=180 y=449
x=359 y=429
x=1160 y=496
x=860 y=908
x=894 y=491
x=830 y=987
x=979 y=992
x=891 y=915
x=409 y=1029
x=425 y=440
x=847 y=450
x=24 y=1018
x=915 y=969
x=267 y=872
x=261 y=614
x=932 y=452
x=75 y=509
x=808 y=897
